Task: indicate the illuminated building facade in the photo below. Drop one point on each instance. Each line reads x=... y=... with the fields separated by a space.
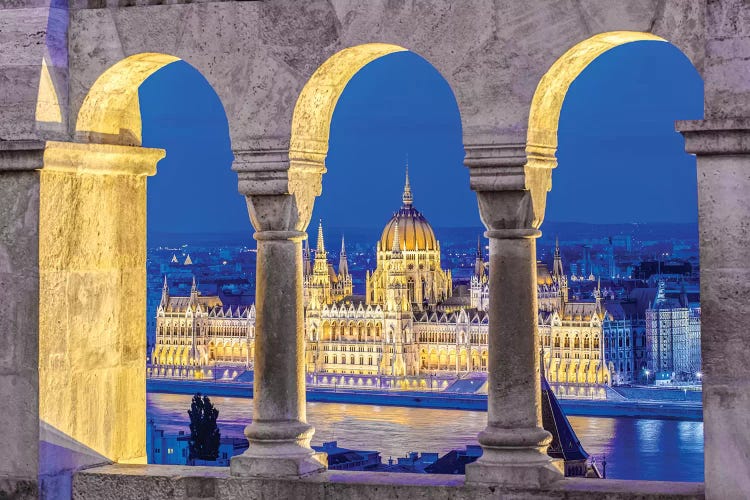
x=570 y=332
x=407 y=324
x=673 y=337
x=198 y=337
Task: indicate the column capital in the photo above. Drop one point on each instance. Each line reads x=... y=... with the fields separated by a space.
x=103 y=159
x=511 y=181
x=716 y=137
x=280 y=187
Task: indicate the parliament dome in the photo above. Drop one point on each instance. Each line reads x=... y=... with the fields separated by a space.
x=414 y=232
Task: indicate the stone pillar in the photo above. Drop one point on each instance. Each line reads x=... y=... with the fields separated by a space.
x=722 y=148
x=92 y=321
x=20 y=162
x=280 y=196
x=511 y=195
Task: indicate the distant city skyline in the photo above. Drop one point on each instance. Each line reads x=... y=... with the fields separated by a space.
x=620 y=159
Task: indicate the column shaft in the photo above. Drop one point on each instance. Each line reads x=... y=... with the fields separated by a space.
x=279 y=384
x=279 y=435
x=514 y=443
x=513 y=370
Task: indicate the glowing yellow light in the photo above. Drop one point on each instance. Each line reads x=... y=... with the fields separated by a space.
x=111 y=113
x=47 y=103
x=551 y=91
x=311 y=121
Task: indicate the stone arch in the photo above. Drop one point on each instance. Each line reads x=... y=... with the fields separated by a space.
x=311 y=121
x=110 y=113
x=544 y=114
x=547 y=102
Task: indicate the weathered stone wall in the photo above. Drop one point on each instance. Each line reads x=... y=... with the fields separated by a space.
x=19 y=296
x=259 y=55
x=30 y=33
x=722 y=145
x=176 y=482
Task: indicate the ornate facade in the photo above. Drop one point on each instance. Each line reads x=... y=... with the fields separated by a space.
x=407 y=324
x=570 y=333
x=198 y=337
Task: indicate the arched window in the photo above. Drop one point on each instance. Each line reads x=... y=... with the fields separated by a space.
x=586 y=343
x=557 y=341
x=576 y=342
x=596 y=342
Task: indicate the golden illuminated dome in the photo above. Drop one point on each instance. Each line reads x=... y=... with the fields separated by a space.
x=414 y=232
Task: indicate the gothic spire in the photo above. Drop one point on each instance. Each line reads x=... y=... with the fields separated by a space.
x=479 y=247
x=343 y=264
x=557 y=267
x=407 y=197
x=321 y=248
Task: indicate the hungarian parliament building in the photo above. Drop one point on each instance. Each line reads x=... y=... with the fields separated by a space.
x=411 y=326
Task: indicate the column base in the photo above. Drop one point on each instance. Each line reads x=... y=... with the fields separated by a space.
x=278 y=449
x=534 y=475
x=249 y=465
x=515 y=457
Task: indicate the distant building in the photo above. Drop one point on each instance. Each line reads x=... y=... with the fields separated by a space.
x=649 y=268
x=198 y=337
x=673 y=338
x=168 y=449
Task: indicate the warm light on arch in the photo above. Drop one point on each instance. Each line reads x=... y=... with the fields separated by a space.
x=311 y=121
x=541 y=141
x=110 y=113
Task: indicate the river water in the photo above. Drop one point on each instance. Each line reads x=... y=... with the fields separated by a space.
x=667 y=450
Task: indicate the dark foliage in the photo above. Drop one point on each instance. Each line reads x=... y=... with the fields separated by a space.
x=204 y=433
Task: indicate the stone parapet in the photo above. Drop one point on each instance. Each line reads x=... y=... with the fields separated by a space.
x=172 y=482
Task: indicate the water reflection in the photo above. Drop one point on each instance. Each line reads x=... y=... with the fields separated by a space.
x=666 y=450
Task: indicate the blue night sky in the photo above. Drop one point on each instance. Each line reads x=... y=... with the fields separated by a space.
x=620 y=159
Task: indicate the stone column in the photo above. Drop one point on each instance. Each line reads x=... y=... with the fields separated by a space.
x=20 y=162
x=279 y=197
x=92 y=285
x=722 y=148
x=511 y=195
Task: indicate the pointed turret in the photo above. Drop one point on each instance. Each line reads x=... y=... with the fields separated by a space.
x=306 y=258
x=343 y=264
x=557 y=268
x=479 y=263
x=321 y=247
x=164 y=293
x=407 y=197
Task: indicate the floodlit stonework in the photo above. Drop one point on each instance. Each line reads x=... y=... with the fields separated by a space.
x=72 y=229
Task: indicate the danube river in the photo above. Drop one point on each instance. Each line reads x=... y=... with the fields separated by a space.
x=668 y=450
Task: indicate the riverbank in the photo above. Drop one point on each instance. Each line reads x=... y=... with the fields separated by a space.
x=672 y=410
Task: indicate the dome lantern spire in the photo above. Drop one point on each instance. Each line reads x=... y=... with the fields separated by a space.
x=407 y=196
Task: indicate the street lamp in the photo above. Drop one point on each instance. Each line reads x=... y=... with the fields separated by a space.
x=648 y=372
x=700 y=376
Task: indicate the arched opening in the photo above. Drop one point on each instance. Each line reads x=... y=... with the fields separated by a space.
x=609 y=124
